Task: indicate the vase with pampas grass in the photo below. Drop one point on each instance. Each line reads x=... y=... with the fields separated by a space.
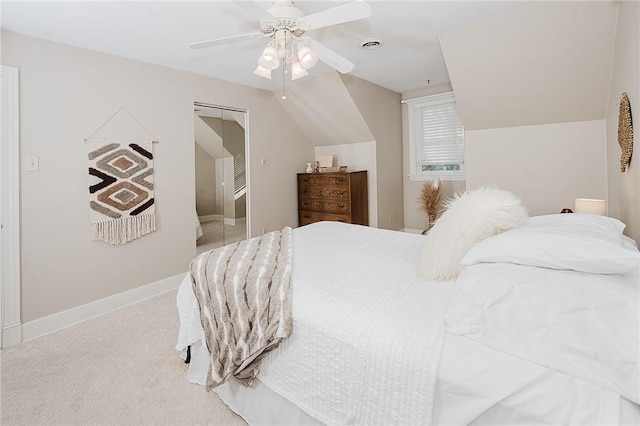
x=430 y=201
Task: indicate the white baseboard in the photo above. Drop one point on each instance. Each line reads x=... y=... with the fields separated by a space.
x=11 y=335
x=209 y=218
x=218 y=217
x=64 y=319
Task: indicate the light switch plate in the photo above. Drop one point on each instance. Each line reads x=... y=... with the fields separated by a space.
x=33 y=164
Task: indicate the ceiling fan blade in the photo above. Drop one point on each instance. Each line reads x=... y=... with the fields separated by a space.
x=353 y=11
x=252 y=9
x=329 y=57
x=223 y=40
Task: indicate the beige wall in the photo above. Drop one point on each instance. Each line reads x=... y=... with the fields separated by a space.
x=233 y=137
x=547 y=166
x=66 y=93
x=325 y=111
x=382 y=111
x=205 y=182
x=624 y=188
x=529 y=82
x=241 y=207
x=542 y=62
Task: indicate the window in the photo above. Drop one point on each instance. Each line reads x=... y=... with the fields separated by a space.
x=436 y=138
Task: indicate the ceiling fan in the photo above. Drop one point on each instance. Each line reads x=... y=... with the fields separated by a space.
x=286 y=26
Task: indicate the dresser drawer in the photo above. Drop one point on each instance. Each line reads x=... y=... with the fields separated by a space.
x=324 y=192
x=320 y=180
x=307 y=217
x=324 y=205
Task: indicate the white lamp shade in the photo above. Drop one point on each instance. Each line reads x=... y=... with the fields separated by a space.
x=590 y=205
x=269 y=58
x=307 y=57
x=297 y=71
x=263 y=72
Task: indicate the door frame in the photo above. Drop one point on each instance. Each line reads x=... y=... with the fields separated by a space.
x=247 y=156
x=11 y=327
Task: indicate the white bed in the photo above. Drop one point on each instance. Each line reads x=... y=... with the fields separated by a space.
x=373 y=343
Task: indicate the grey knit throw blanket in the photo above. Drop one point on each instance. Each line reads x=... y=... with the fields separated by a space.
x=244 y=293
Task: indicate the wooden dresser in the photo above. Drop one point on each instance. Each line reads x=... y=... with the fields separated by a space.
x=339 y=197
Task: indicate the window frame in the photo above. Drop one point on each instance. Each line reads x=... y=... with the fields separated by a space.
x=414 y=174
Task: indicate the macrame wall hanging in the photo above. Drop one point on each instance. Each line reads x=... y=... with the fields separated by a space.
x=121 y=196
x=625 y=132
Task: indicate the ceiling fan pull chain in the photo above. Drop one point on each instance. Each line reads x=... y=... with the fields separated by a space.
x=284 y=71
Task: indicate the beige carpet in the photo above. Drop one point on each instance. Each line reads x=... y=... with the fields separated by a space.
x=215 y=234
x=118 y=369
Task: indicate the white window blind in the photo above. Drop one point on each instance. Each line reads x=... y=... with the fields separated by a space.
x=437 y=137
x=239 y=175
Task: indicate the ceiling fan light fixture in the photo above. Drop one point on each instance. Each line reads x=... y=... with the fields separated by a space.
x=269 y=58
x=307 y=57
x=297 y=71
x=285 y=25
x=263 y=72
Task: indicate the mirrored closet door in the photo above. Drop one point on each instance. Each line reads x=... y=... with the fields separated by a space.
x=221 y=179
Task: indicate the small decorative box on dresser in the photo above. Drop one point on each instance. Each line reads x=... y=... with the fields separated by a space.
x=339 y=197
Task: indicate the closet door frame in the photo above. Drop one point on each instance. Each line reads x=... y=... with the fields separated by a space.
x=11 y=327
x=247 y=155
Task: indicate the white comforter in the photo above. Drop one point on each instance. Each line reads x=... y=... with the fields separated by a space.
x=363 y=350
x=583 y=324
x=367 y=338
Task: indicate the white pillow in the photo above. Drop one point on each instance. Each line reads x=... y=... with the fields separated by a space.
x=571 y=241
x=579 y=222
x=468 y=218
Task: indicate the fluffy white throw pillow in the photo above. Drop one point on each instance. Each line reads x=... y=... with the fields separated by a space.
x=469 y=218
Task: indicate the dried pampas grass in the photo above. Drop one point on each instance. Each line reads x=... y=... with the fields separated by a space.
x=430 y=201
x=625 y=132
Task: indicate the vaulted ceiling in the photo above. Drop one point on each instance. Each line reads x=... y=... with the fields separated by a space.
x=511 y=63
x=160 y=32
x=544 y=62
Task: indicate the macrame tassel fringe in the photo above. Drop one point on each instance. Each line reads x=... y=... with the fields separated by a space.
x=121 y=231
